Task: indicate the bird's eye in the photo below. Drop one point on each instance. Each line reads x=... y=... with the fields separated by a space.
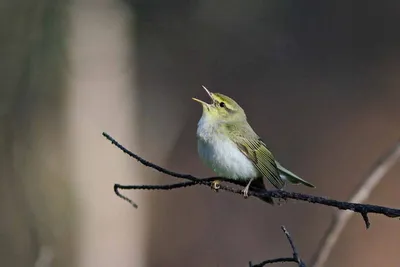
x=222 y=104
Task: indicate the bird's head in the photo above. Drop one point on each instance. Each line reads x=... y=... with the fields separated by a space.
x=221 y=108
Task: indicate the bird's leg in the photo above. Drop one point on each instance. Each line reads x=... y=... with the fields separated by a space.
x=216 y=185
x=246 y=189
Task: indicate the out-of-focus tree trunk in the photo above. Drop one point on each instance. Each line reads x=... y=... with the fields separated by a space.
x=103 y=96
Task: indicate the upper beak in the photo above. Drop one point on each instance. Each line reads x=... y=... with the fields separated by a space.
x=208 y=92
x=201 y=101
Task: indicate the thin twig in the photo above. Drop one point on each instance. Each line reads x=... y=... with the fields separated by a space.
x=116 y=191
x=378 y=171
x=362 y=209
x=277 y=260
x=294 y=258
x=295 y=253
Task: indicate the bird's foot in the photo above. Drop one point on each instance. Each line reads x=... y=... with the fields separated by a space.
x=216 y=185
x=246 y=189
x=245 y=192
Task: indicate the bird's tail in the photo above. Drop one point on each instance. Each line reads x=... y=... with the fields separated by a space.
x=269 y=200
x=291 y=177
x=259 y=184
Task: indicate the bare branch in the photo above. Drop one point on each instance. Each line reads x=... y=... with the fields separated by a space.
x=378 y=171
x=151 y=187
x=295 y=257
x=362 y=209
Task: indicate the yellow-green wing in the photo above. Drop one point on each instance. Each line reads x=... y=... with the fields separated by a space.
x=255 y=149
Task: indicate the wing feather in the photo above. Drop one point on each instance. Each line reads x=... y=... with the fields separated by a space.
x=250 y=144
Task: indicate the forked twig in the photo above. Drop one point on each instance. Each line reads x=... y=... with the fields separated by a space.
x=294 y=258
x=362 y=209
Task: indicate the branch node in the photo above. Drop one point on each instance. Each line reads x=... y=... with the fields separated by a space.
x=116 y=191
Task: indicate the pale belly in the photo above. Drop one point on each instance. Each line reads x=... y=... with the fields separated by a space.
x=226 y=160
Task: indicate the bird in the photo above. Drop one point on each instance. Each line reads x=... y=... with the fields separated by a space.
x=228 y=145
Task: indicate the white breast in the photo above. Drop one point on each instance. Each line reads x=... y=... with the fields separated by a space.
x=222 y=155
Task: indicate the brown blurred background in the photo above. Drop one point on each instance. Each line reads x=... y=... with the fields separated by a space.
x=319 y=81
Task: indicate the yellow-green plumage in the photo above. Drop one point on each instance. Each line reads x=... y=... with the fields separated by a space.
x=250 y=144
x=228 y=145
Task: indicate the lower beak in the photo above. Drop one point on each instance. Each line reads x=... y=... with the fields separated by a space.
x=200 y=101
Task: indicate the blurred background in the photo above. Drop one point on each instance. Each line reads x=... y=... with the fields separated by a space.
x=319 y=81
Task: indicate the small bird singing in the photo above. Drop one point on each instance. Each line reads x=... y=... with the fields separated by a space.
x=229 y=146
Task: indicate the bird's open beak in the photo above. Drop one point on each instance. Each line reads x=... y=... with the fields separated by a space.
x=201 y=101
